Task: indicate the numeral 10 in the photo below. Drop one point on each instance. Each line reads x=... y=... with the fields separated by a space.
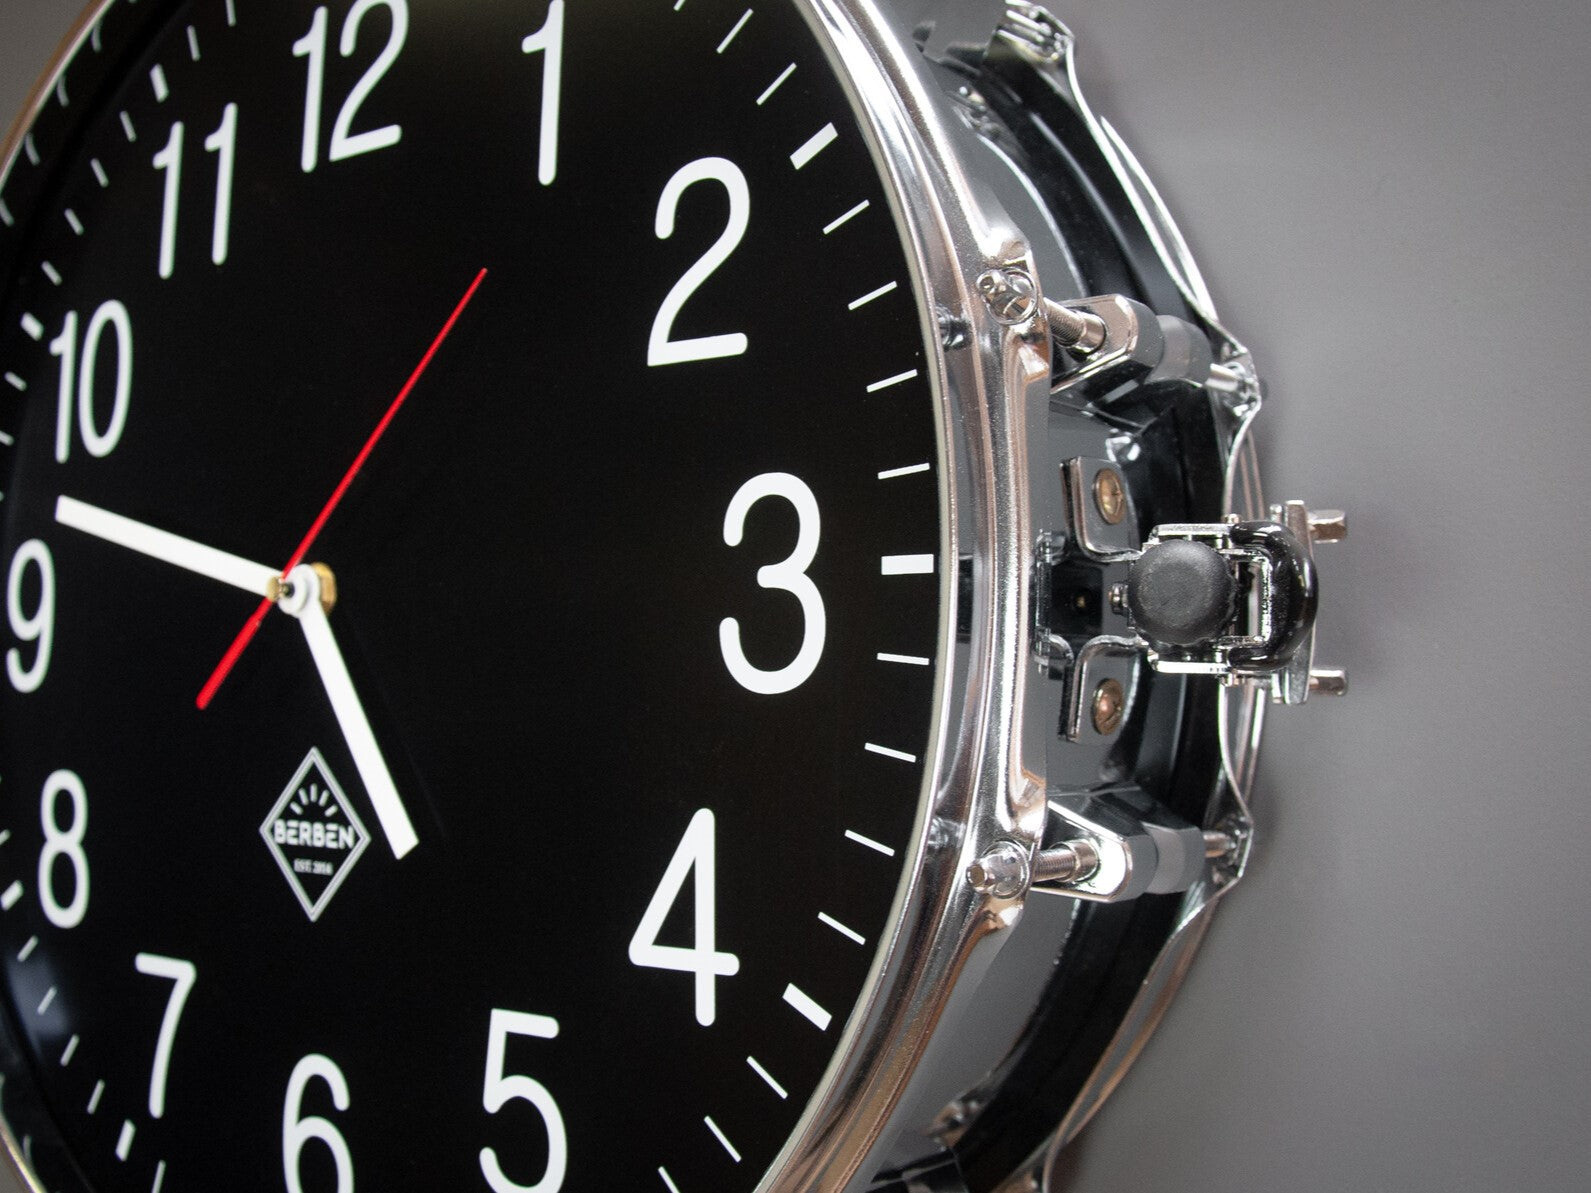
x=80 y=379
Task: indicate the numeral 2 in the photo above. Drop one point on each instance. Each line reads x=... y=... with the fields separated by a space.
x=662 y=348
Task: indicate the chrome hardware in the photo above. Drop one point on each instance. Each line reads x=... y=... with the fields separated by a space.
x=1011 y=295
x=1102 y=662
x=1097 y=535
x=1077 y=329
x=1002 y=872
x=1269 y=639
x=1112 y=846
x=1111 y=346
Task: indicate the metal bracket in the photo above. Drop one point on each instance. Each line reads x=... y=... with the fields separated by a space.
x=1111 y=347
x=1270 y=640
x=1112 y=846
x=1104 y=522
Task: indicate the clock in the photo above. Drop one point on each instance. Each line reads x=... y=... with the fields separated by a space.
x=664 y=595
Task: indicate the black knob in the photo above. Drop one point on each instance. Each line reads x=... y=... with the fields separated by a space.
x=1180 y=592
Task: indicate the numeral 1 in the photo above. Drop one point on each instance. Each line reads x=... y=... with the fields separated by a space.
x=549 y=40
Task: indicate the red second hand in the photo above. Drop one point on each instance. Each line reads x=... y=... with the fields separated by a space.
x=252 y=626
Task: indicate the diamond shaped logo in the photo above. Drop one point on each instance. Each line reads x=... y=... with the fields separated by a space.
x=314 y=834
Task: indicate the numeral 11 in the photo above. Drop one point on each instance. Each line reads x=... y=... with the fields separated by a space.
x=224 y=143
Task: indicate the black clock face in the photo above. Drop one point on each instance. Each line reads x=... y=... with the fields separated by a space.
x=557 y=853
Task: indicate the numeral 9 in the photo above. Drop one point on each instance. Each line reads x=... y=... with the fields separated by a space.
x=37 y=626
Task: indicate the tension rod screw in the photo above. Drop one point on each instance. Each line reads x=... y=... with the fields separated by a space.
x=1079 y=330
x=1071 y=861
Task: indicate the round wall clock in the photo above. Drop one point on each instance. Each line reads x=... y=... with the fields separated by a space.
x=664 y=595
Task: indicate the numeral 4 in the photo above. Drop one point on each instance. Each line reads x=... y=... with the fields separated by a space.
x=696 y=852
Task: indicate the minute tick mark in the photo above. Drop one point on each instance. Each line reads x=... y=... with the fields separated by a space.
x=871 y=295
x=730 y=36
x=816 y=144
x=890 y=474
x=847 y=217
x=774 y=86
x=722 y=1138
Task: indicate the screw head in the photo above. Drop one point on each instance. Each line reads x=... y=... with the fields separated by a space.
x=1002 y=872
x=1110 y=497
x=1109 y=706
x=1011 y=294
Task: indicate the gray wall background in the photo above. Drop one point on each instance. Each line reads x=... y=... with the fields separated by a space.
x=1391 y=204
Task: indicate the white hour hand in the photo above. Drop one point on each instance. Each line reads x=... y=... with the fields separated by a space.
x=164 y=546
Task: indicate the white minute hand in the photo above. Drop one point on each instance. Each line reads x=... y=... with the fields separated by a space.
x=164 y=546
x=304 y=604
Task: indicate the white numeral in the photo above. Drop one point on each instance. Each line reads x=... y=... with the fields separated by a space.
x=37 y=627
x=296 y=1131
x=224 y=143
x=313 y=46
x=549 y=40
x=789 y=576
x=503 y=1087
x=344 y=142
x=696 y=852
x=79 y=379
x=169 y=160
x=64 y=843
x=182 y=975
x=221 y=142
x=662 y=348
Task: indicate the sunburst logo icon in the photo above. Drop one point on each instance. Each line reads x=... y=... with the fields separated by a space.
x=314 y=834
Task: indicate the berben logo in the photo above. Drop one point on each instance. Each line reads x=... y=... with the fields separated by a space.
x=314 y=834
